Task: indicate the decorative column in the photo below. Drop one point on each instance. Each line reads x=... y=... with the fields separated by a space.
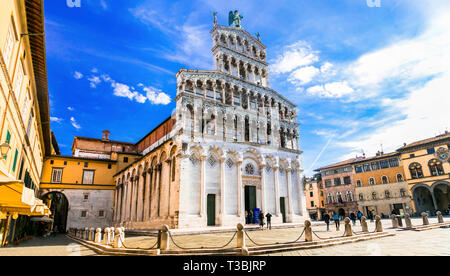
x=123 y=212
x=248 y=100
x=157 y=176
x=277 y=198
x=146 y=208
x=222 y=188
x=301 y=195
x=240 y=210
x=129 y=198
x=289 y=191
x=214 y=87
x=202 y=185
x=263 y=185
x=204 y=90
x=140 y=198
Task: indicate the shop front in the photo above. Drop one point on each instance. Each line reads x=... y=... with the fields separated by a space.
x=17 y=201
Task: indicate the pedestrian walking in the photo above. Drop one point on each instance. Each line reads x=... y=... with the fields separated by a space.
x=353 y=218
x=327 y=218
x=261 y=220
x=337 y=221
x=269 y=221
x=359 y=215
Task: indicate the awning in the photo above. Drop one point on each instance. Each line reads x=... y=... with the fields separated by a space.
x=17 y=199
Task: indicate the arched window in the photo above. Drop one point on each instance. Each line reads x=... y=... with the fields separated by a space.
x=349 y=196
x=330 y=198
x=399 y=177
x=374 y=196
x=385 y=180
x=387 y=194
x=372 y=181
x=361 y=197
x=249 y=169
x=358 y=183
x=416 y=171
x=436 y=167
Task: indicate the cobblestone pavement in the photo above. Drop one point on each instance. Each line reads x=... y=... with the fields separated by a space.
x=58 y=245
x=405 y=243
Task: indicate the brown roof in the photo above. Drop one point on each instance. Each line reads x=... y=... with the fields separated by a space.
x=340 y=164
x=361 y=160
x=101 y=140
x=426 y=141
x=35 y=23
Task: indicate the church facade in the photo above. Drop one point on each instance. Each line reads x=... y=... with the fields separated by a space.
x=231 y=146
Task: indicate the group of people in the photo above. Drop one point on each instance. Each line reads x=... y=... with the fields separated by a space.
x=251 y=219
x=337 y=219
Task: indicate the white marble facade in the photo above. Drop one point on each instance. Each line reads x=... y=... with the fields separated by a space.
x=236 y=132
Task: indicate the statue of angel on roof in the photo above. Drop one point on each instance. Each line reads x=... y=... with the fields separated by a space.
x=235 y=19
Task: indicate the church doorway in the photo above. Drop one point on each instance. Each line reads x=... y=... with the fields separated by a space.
x=250 y=201
x=59 y=206
x=211 y=210
x=442 y=196
x=283 y=208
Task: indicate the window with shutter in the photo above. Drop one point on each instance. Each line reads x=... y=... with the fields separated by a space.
x=56 y=175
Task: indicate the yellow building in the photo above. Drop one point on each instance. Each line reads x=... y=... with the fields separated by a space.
x=25 y=136
x=427 y=169
x=315 y=200
x=80 y=189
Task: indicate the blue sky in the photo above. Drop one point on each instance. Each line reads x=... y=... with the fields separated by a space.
x=364 y=78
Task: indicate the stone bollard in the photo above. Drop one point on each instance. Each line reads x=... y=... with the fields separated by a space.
x=107 y=237
x=394 y=221
x=425 y=219
x=165 y=243
x=408 y=221
x=117 y=241
x=308 y=231
x=348 y=228
x=86 y=234
x=440 y=217
x=98 y=236
x=378 y=224
x=91 y=234
x=365 y=228
x=113 y=234
x=123 y=233
x=240 y=236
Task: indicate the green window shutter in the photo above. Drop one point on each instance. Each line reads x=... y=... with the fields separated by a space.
x=8 y=137
x=15 y=160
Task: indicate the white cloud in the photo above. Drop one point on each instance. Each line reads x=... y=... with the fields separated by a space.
x=156 y=96
x=418 y=69
x=303 y=75
x=70 y=108
x=294 y=56
x=94 y=81
x=74 y=123
x=77 y=75
x=56 y=119
x=94 y=70
x=331 y=90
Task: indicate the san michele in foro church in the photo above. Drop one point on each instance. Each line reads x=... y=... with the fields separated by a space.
x=231 y=146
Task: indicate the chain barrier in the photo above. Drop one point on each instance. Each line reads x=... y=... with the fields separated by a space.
x=267 y=244
x=315 y=234
x=203 y=247
x=137 y=248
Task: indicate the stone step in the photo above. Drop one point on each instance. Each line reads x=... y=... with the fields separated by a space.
x=317 y=245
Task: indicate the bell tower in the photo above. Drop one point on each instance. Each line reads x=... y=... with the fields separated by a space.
x=239 y=54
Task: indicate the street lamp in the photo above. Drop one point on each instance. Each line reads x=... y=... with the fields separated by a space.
x=4 y=149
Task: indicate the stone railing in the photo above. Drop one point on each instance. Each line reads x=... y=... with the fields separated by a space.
x=113 y=237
